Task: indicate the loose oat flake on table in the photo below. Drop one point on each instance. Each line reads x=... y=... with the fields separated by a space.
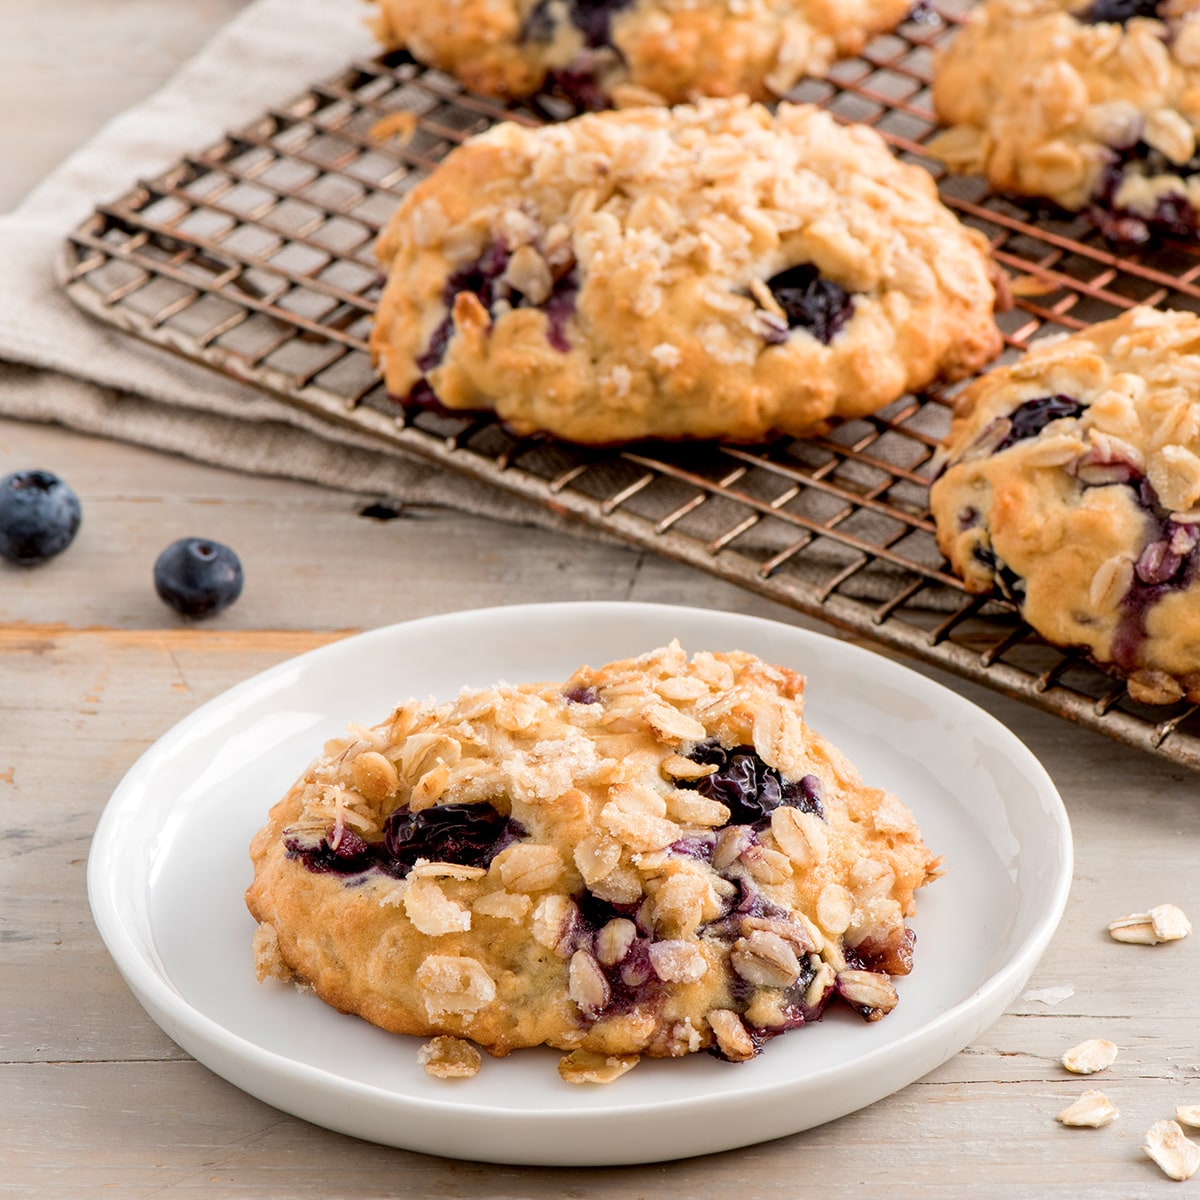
x=1163 y=923
x=1089 y=1057
x=1091 y=1110
x=1177 y=1155
x=656 y=857
x=708 y=271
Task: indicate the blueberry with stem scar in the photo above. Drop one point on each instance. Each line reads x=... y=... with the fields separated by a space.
x=198 y=577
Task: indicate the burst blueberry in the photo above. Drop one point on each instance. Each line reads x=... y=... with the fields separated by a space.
x=748 y=787
x=484 y=279
x=39 y=517
x=469 y=834
x=1172 y=215
x=812 y=302
x=1030 y=418
x=344 y=853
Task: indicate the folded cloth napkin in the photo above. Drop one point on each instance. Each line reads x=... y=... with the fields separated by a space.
x=59 y=365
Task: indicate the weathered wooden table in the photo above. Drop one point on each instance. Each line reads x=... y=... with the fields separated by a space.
x=96 y=1101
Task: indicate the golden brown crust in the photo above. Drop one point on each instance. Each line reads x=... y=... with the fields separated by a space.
x=643 y=243
x=628 y=907
x=665 y=50
x=1044 y=104
x=1097 y=514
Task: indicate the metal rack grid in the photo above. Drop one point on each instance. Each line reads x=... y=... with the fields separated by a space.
x=255 y=257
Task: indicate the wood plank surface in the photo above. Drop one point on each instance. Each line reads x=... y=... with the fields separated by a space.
x=96 y=1101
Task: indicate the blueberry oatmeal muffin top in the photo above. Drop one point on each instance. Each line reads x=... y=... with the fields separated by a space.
x=655 y=857
x=658 y=51
x=1093 y=104
x=707 y=271
x=1072 y=484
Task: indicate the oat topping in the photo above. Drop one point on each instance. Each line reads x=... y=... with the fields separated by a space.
x=1097 y=114
x=1049 y=494
x=654 y=857
x=712 y=271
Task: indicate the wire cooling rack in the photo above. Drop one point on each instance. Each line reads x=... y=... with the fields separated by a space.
x=255 y=257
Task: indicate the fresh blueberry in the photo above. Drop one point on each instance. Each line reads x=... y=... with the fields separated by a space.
x=198 y=577
x=39 y=516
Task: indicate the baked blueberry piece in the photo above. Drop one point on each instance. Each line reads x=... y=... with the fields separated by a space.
x=707 y=271
x=1072 y=485
x=655 y=857
x=1091 y=103
x=662 y=51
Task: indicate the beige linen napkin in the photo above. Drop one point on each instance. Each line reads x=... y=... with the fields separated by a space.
x=59 y=365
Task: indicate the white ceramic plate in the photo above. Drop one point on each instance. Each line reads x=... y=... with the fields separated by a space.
x=169 y=864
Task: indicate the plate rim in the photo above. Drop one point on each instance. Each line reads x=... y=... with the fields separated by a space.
x=190 y=1026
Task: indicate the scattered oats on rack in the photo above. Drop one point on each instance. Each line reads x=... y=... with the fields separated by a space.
x=656 y=857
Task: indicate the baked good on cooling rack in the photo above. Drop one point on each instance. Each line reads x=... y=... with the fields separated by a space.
x=662 y=51
x=1091 y=103
x=1073 y=485
x=655 y=857
x=707 y=271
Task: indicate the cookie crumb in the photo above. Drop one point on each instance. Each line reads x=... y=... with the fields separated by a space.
x=586 y=1066
x=450 y=1058
x=1049 y=995
x=268 y=962
x=397 y=126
